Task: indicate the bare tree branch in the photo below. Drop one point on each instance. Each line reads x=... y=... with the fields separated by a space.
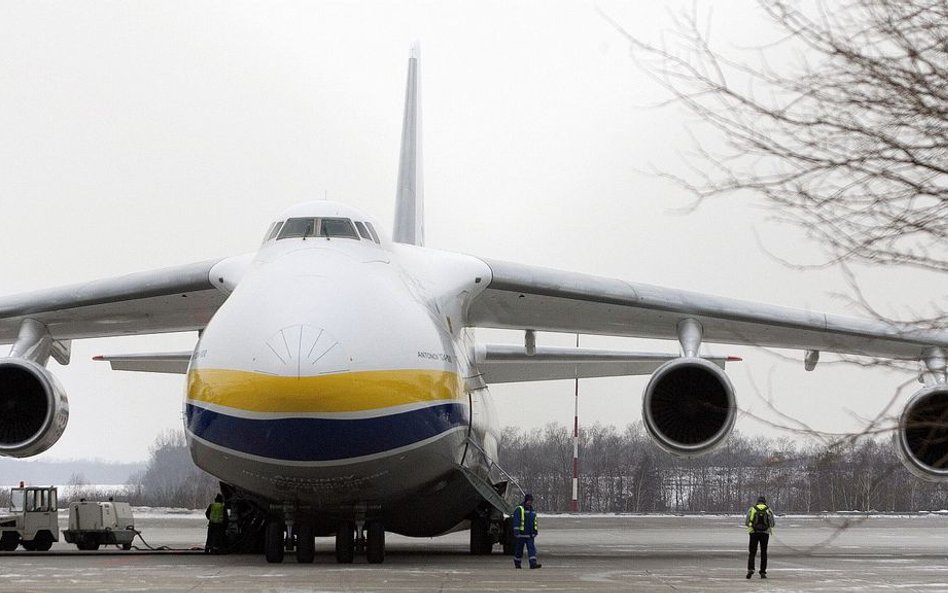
x=850 y=141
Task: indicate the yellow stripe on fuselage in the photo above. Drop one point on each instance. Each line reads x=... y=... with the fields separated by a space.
x=339 y=392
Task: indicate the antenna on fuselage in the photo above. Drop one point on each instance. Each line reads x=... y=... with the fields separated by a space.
x=409 y=197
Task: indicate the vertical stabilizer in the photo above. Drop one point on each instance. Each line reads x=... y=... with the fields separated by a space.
x=409 y=198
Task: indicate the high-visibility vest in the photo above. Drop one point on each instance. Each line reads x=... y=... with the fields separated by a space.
x=217 y=512
x=520 y=521
x=752 y=516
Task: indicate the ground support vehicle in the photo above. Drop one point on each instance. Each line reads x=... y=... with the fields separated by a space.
x=32 y=521
x=93 y=524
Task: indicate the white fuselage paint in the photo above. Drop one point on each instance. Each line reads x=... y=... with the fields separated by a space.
x=339 y=374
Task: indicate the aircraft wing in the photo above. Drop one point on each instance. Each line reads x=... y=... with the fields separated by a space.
x=503 y=363
x=179 y=298
x=530 y=297
x=175 y=363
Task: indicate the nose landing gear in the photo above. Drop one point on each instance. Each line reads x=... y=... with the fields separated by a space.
x=375 y=542
x=359 y=537
x=284 y=534
x=275 y=541
x=305 y=543
x=346 y=543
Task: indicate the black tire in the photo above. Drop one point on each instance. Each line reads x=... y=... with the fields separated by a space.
x=28 y=546
x=345 y=543
x=507 y=537
x=251 y=524
x=375 y=542
x=480 y=537
x=43 y=541
x=126 y=546
x=89 y=542
x=305 y=544
x=274 y=545
x=9 y=541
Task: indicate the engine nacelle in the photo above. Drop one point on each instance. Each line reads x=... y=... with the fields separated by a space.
x=33 y=408
x=689 y=406
x=923 y=433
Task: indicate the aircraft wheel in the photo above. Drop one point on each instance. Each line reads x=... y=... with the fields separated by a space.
x=9 y=541
x=507 y=536
x=305 y=544
x=375 y=542
x=345 y=543
x=480 y=536
x=274 y=545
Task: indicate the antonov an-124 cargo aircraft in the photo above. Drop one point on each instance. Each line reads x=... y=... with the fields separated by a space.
x=336 y=387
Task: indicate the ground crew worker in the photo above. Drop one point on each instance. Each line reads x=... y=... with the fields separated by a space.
x=525 y=531
x=760 y=524
x=216 y=514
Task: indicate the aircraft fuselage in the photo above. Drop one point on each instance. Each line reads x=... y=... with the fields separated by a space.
x=338 y=378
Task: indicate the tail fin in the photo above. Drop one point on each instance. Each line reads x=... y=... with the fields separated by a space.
x=409 y=198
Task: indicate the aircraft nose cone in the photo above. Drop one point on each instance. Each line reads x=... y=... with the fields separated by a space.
x=301 y=351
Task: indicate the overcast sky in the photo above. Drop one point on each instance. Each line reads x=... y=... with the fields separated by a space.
x=138 y=135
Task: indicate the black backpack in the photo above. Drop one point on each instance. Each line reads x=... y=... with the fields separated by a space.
x=761 y=520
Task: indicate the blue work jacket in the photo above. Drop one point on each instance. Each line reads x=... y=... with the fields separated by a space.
x=524 y=522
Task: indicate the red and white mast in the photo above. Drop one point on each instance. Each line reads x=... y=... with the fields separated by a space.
x=574 y=503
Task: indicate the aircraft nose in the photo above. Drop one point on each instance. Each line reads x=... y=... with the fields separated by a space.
x=301 y=351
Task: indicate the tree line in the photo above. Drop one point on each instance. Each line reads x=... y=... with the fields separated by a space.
x=622 y=470
x=170 y=479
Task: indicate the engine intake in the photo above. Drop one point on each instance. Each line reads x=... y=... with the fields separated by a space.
x=33 y=408
x=689 y=406
x=923 y=433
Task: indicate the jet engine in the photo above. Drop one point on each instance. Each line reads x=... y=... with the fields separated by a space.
x=689 y=406
x=33 y=408
x=923 y=433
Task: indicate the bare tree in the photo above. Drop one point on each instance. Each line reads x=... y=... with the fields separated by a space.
x=848 y=139
x=626 y=472
x=77 y=481
x=171 y=478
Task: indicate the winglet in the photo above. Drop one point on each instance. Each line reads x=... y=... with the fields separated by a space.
x=409 y=197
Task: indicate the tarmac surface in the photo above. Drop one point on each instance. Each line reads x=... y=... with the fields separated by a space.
x=579 y=553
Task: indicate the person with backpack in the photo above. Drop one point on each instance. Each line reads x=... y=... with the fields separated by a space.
x=760 y=524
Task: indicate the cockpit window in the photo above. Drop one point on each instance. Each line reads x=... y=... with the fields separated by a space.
x=364 y=233
x=337 y=227
x=298 y=227
x=332 y=228
x=375 y=236
x=272 y=231
x=276 y=229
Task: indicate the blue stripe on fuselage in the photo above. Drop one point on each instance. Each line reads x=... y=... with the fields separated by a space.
x=321 y=439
